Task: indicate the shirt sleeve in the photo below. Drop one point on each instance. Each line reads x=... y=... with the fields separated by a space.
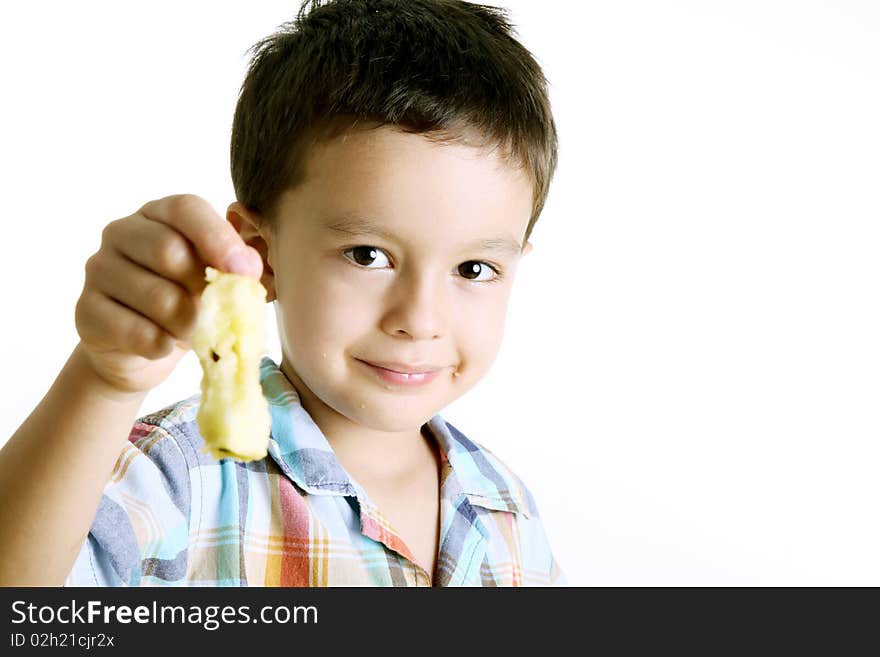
x=140 y=532
x=553 y=574
x=539 y=564
x=557 y=576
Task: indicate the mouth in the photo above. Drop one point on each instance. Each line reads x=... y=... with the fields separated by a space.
x=404 y=368
x=411 y=376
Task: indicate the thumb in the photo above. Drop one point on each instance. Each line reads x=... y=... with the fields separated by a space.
x=245 y=260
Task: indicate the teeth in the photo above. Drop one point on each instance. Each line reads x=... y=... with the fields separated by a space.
x=415 y=376
x=408 y=374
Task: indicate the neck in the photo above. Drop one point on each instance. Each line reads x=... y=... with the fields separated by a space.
x=365 y=453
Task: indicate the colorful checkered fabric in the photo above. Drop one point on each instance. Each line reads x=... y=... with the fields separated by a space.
x=173 y=516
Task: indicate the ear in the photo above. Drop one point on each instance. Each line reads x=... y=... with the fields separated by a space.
x=527 y=247
x=254 y=232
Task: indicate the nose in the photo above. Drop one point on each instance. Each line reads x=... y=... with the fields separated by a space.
x=418 y=308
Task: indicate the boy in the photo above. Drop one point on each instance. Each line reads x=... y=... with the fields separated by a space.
x=390 y=160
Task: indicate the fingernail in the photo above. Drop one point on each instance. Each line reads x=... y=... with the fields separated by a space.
x=238 y=262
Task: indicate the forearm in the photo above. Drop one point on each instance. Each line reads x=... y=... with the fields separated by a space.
x=53 y=471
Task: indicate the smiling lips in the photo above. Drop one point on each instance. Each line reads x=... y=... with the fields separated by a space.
x=403 y=368
x=402 y=374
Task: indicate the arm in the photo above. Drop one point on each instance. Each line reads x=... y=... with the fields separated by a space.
x=137 y=310
x=52 y=472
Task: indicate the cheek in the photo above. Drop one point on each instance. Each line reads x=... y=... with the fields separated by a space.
x=321 y=310
x=479 y=329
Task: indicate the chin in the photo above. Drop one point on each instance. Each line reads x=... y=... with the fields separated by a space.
x=389 y=419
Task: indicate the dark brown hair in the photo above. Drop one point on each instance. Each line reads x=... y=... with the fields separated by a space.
x=445 y=69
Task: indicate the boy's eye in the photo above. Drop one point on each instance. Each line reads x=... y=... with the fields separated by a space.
x=472 y=269
x=364 y=255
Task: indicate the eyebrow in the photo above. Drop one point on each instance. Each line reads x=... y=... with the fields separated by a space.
x=361 y=226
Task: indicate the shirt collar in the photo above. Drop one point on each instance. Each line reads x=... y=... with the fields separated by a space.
x=301 y=450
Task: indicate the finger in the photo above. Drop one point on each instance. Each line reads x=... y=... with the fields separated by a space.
x=158 y=248
x=216 y=241
x=160 y=300
x=106 y=323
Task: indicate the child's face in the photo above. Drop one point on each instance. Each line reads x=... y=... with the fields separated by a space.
x=417 y=297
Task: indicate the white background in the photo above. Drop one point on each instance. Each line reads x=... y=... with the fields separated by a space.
x=689 y=382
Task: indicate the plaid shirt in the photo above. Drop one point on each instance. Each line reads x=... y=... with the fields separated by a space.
x=173 y=516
